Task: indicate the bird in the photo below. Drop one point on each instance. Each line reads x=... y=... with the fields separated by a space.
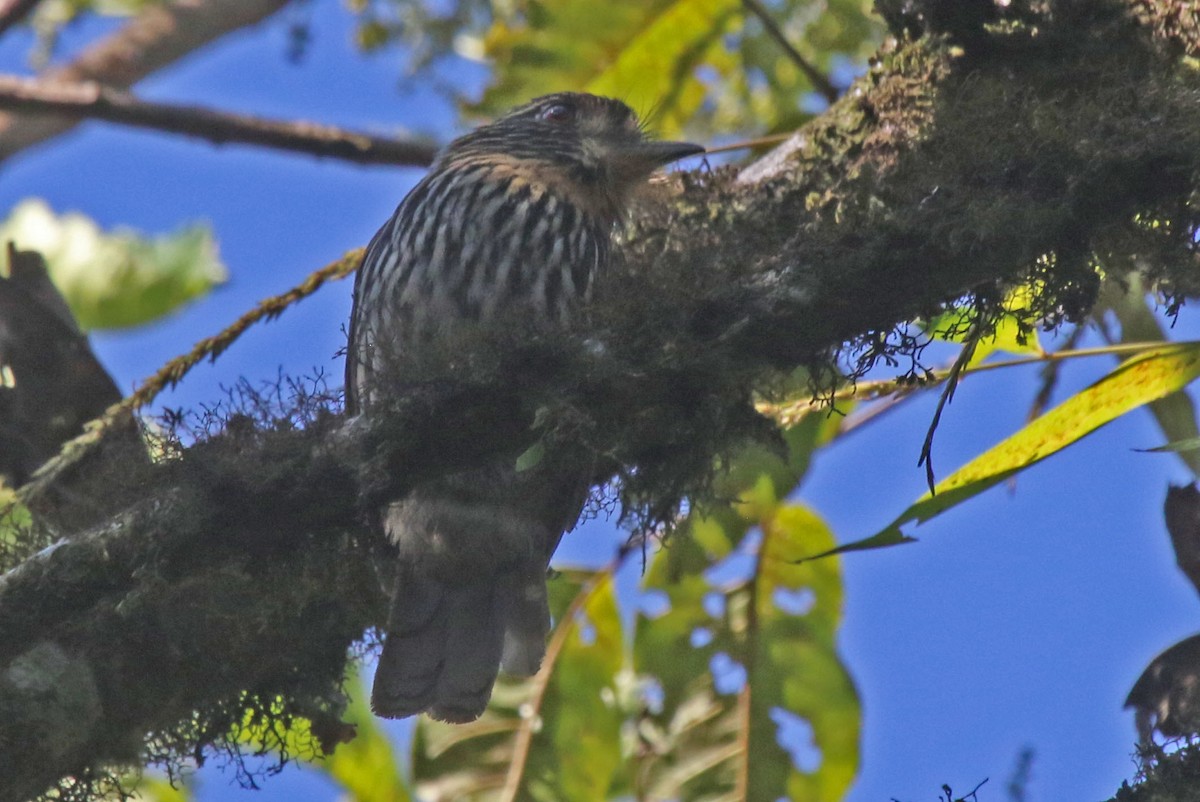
x=513 y=225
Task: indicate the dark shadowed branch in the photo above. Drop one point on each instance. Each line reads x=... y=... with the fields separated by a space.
x=159 y=35
x=14 y=12
x=92 y=101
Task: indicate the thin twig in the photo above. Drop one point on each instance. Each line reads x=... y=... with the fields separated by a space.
x=541 y=681
x=790 y=412
x=14 y=12
x=91 y=100
x=815 y=76
x=159 y=35
x=945 y=398
x=771 y=139
x=173 y=372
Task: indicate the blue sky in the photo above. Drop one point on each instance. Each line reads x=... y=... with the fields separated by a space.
x=1019 y=619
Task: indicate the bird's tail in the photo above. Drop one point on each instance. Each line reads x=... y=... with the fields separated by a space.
x=446 y=642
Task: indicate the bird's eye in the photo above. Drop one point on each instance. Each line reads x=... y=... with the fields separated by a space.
x=558 y=113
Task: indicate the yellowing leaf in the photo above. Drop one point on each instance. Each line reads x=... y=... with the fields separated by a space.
x=736 y=603
x=116 y=279
x=642 y=51
x=1137 y=381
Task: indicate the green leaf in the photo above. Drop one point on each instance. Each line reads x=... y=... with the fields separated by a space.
x=1015 y=331
x=643 y=52
x=1189 y=444
x=776 y=618
x=542 y=718
x=574 y=746
x=531 y=457
x=1137 y=381
x=117 y=279
x=1175 y=414
x=154 y=788
x=367 y=766
x=684 y=61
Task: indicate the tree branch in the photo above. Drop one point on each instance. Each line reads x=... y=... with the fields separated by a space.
x=1025 y=157
x=158 y=36
x=815 y=76
x=93 y=101
x=14 y=12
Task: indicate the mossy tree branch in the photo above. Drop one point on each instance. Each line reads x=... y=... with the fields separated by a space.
x=983 y=150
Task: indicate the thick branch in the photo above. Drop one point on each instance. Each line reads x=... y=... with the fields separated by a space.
x=1025 y=156
x=93 y=101
x=158 y=36
x=14 y=12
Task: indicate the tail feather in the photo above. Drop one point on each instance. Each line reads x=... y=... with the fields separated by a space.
x=446 y=643
x=527 y=622
x=411 y=662
x=470 y=595
x=474 y=637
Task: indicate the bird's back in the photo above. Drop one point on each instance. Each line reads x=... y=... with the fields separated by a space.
x=511 y=227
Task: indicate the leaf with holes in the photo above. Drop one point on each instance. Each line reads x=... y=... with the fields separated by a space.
x=515 y=745
x=743 y=649
x=365 y=765
x=683 y=63
x=574 y=744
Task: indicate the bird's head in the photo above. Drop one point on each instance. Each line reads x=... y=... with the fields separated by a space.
x=590 y=148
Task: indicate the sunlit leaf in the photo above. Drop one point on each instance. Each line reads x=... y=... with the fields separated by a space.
x=741 y=644
x=1144 y=378
x=794 y=672
x=574 y=746
x=117 y=279
x=367 y=767
x=472 y=761
x=643 y=52
x=153 y=788
x=694 y=63
x=1015 y=332
x=361 y=759
x=1175 y=414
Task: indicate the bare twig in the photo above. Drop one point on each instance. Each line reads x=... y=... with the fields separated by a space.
x=964 y=358
x=159 y=35
x=14 y=12
x=91 y=100
x=815 y=76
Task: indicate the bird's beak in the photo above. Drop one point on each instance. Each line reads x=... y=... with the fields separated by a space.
x=656 y=154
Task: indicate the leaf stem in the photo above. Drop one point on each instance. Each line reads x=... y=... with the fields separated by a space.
x=815 y=77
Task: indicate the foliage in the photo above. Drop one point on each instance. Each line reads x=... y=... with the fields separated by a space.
x=51 y=16
x=668 y=716
x=704 y=65
x=118 y=279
